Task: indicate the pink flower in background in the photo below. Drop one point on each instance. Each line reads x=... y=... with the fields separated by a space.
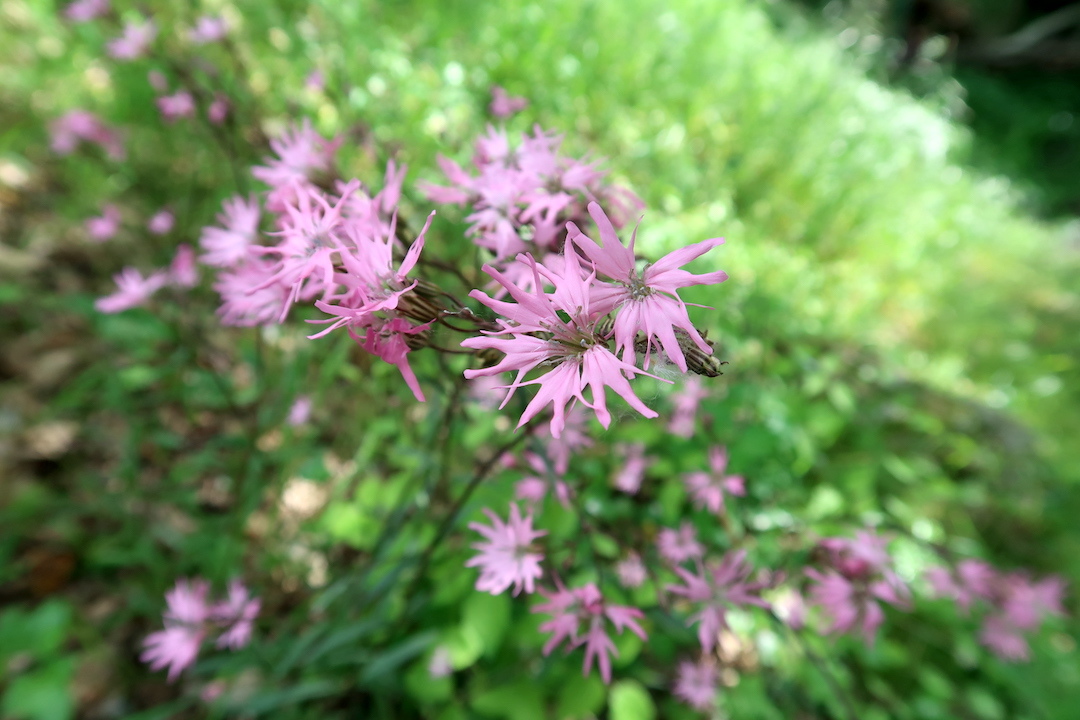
x=697 y=683
x=686 y=399
x=82 y=11
x=315 y=80
x=1004 y=639
x=579 y=616
x=178 y=105
x=573 y=437
x=503 y=105
x=534 y=488
x=132 y=290
x=230 y=244
x=647 y=302
x=177 y=646
x=77 y=126
x=506 y=555
x=135 y=40
x=631 y=571
x=218 y=110
x=236 y=614
x=628 y=478
x=105 y=226
x=1026 y=602
x=161 y=223
x=678 y=546
x=157 y=80
x=974 y=579
x=300 y=411
x=717 y=588
x=182 y=270
x=208 y=29
x=249 y=297
x=302 y=156
x=708 y=488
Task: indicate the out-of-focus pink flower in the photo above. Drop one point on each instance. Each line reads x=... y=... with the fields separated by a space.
x=686 y=399
x=503 y=105
x=576 y=351
x=1004 y=639
x=579 y=616
x=180 y=104
x=218 y=110
x=300 y=411
x=230 y=244
x=717 y=588
x=132 y=290
x=1026 y=602
x=507 y=557
x=678 y=546
x=631 y=571
x=315 y=80
x=78 y=125
x=236 y=614
x=208 y=29
x=628 y=478
x=302 y=156
x=534 y=488
x=157 y=80
x=182 y=270
x=177 y=646
x=647 y=302
x=708 y=488
x=697 y=683
x=212 y=690
x=134 y=41
x=161 y=223
x=82 y=11
x=105 y=226
x=573 y=437
x=249 y=296
x=974 y=579
x=441 y=664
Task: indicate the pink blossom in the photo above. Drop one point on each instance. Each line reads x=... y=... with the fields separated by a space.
x=648 y=301
x=573 y=437
x=180 y=104
x=697 y=683
x=686 y=400
x=82 y=11
x=230 y=244
x=631 y=571
x=77 y=126
x=135 y=40
x=503 y=105
x=534 y=488
x=161 y=223
x=218 y=110
x=708 y=488
x=302 y=156
x=300 y=411
x=579 y=616
x=132 y=290
x=182 y=270
x=315 y=80
x=236 y=614
x=973 y=579
x=387 y=339
x=249 y=296
x=717 y=588
x=177 y=646
x=1025 y=602
x=576 y=351
x=1004 y=639
x=507 y=557
x=157 y=80
x=677 y=546
x=105 y=226
x=208 y=29
x=628 y=478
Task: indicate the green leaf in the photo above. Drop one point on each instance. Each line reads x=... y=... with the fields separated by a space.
x=580 y=697
x=629 y=700
x=397 y=656
x=41 y=694
x=519 y=701
x=488 y=616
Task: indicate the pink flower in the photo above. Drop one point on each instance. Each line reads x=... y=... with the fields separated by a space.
x=535 y=487
x=157 y=80
x=76 y=126
x=236 y=614
x=696 y=684
x=208 y=29
x=230 y=244
x=161 y=223
x=302 y=155
x=249 y=297
x=218 y=110
x=82 y=11
x=686 y=400
x=717 y=588
x=1026 y=603
x=677 y=546
x=177 y=646
x=134 y=41
x=1004 y=639
x=388 y=339
x=506 y=556
x=574 y=436
x=631 y=571
x=182 y=270
x=646 y=301
x=503 y=106
x=573 y=347
x=973 y=579
x=104 y=227
x=708 y=489
x=579 y=616
x=300 y=411
x=132 y=290
x=315 y=80
x=180 y=104
x=628 y=478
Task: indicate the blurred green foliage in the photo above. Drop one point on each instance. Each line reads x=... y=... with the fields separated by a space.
x=901 y=337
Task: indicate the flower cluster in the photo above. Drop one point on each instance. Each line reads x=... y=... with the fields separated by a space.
x=507 y=557
x=191 y=618
x=79 y=126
